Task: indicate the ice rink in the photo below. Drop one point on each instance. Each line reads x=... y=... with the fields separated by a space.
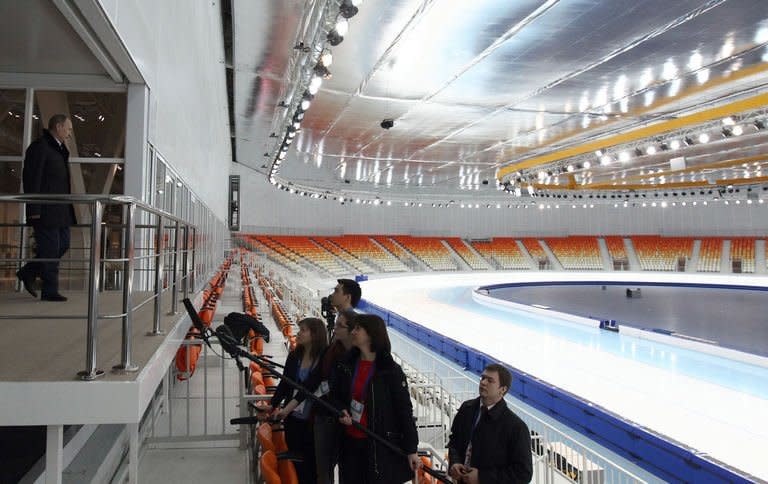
x=714 y=404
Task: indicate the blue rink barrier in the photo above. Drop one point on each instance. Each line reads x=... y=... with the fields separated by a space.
x=664 y=458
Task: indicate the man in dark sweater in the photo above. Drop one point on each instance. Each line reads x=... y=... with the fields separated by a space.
x=46 y=171
x=489 y=444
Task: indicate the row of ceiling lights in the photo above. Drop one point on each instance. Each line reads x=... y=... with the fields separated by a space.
x=320 y=71
x=726 y=128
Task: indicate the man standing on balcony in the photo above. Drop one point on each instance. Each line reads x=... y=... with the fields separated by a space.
x=489 y=444
x=46 y=171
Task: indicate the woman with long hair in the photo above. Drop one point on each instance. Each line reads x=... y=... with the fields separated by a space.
x=372 y=389
x=311 y=342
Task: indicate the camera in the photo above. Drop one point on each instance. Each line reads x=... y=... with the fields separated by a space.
x=326 y=308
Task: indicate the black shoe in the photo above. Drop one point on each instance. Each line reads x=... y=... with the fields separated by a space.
x=28 y=283
x=53 y=297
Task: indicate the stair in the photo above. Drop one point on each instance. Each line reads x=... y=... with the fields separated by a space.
x=457 y=258
x=725 y=258
x=605 y=255
x=634 y=262
x=692 y=264
x=556 y=265
x=415 y=262
x=760 y=256
x=480 y=256
x=532 y=263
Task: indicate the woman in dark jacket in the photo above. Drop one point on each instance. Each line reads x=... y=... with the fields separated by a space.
x=372 y=388
x=311 y=341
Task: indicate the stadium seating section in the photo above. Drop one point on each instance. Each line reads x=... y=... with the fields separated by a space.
x=369 y=254
x=657 y=253
x=616 y=248
x=710 y=254
x=743 y=250
x=576 y=253
x=503 y=252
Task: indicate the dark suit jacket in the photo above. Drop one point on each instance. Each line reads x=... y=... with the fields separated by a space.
x=46 y=171
x=501 y=443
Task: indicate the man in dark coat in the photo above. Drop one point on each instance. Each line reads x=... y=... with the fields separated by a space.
x=46 y=171
x=489 y=444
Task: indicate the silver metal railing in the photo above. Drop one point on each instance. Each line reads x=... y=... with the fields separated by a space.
x=188 y=251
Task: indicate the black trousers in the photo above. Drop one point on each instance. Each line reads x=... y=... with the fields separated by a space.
x=301 y=440
x=353 y=460
x=52 y=243
x=327 y=441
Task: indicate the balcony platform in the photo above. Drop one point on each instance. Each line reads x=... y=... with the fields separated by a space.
x=40 y=358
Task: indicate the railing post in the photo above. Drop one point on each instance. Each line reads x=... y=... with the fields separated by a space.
x=193 y=269
x=104 y=249
x=174 y=278
x=185 y=263
x=91 y=372
x=126 y=365
x=158 y=278
x=22 y=253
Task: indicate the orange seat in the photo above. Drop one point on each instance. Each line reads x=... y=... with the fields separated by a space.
x=269 y=468
x=287 y=472
x=264 y=434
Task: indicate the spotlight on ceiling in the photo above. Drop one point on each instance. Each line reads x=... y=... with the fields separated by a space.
x=347 y=9
x=334 y=38
x=322 y=71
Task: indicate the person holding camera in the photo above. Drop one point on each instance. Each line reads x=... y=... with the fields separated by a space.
x=489 y=444
x=372 y=390
x=311 y=342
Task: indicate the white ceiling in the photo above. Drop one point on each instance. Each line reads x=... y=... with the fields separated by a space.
x=478 y=87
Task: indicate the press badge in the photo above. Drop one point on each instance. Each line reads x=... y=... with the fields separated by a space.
x=323 y=389
x=357 y=410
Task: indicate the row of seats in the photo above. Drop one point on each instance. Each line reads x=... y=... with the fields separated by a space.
x=332 y=247
x=616 y=249
x=372 y=254
x=657 y=253
x=305 y=248
x=473 y=260
x=576 y=252
x=743 y=250
x=366 y=250
x=188 y=353
x=504 y=252
x=535 y=249
x=260 y=244
x=710 y=254
x=429 y=250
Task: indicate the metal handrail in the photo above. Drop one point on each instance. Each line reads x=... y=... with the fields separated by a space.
x=165 y=221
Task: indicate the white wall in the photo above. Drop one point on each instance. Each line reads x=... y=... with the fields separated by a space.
x=178 y=47
x=268 y=210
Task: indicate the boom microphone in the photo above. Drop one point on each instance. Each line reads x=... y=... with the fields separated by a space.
x=196 y=321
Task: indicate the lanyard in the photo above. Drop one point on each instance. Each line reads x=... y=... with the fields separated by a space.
x=367 y=379
x=476 y=422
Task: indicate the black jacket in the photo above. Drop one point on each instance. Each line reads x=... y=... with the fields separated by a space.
x=46 y=171
x=501 y=443
x=390 y=414
x=284 y=391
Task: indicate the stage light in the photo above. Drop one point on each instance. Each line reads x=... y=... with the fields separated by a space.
x=704 y=138
x=688 y=141
x=737 y=130
x=327 y=58
x=674 y=144
x=651 y=150
x=624 y=156
x=587 y=165
x=605 y=160
x=570 y=168
x=321 y=71
x=347 y=9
